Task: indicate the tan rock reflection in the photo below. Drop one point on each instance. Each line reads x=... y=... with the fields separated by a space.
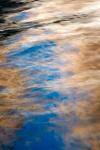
x=87 y=110
x=10 y=101
x=11 y=85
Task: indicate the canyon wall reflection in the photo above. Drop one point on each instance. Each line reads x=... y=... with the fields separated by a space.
x=50 y=64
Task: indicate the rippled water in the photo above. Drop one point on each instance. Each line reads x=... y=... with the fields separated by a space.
x=49 y=75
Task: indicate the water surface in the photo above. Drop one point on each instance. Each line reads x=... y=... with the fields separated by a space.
x=49 y=75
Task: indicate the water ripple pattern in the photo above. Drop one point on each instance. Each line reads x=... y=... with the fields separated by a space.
x=49 y=74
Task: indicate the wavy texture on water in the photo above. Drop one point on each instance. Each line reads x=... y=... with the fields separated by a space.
x=50 y=74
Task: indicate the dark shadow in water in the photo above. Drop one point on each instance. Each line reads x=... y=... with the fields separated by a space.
x=8 y=7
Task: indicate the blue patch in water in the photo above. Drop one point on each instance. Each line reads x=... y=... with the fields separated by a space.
x=54 y=76
x=21 y=16
x=39 y=134
x=44 y=95
x=49 y=76
x=55 y=95
x=35 y=49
